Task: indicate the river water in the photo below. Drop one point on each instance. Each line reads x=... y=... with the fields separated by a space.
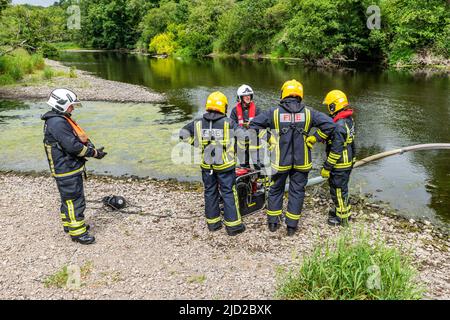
x=393 y=109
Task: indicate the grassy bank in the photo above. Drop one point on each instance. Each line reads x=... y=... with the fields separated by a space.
x=21 y=67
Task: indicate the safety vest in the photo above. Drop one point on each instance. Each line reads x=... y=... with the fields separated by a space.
x=240 y=113
x=217 y=144
x=79 y=132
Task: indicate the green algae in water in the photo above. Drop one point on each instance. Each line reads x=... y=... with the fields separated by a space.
x=138 y=138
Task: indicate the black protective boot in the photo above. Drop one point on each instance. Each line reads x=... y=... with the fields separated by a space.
x=215 y=227
x=336 y=221
x=66 y=229
x=291 y=231
x=84 y=239
x=273 y=227
x=235 y=232
x=332 y=213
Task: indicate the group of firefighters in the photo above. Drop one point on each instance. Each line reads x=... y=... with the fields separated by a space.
x=286 y=130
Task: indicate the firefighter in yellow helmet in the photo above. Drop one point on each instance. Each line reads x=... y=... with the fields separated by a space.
x=214 y=134
x=338 y=166
x=289 y=124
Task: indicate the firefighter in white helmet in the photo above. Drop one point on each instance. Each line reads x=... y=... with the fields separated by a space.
x=67 y=146
x=243 y=113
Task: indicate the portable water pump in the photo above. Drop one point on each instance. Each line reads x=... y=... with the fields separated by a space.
x=251 y=190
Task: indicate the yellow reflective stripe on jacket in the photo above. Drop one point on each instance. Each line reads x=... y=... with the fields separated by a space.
x=274 y=213
x=83 y=151
x=321 y=134
x=292 y=216
x=308 y=119
x=60 y=175
x=345 y=156
x=212 y=221
x=306 y=149
x=334 y=155
x=347 y=141
x=48 y=148
x=276 y=121
x=343 y=165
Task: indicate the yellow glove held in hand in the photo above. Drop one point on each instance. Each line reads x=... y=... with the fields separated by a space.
x=310 y=141
x=325 y=173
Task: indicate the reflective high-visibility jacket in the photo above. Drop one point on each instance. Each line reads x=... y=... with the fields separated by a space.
x=343 y=158
x=289 y=124
x=214 y=133
x=65 y=151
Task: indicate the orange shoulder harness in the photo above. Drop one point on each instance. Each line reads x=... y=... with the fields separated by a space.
x=81 y=134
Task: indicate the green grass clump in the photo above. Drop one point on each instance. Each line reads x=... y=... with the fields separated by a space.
x=351 y=269
x=73 y=72
x=15 y=65
x=58 y=279
x=48 y=73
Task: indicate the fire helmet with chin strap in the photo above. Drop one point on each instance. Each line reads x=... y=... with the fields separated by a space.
x=114 y=202
x=61 y=99
x=244 y=90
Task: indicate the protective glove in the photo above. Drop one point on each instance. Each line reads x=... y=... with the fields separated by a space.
x=325 y=173
x=310 y=141
x=354 y=160
x=99 y=153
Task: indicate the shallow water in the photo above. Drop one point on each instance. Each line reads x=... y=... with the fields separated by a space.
x=393 y=110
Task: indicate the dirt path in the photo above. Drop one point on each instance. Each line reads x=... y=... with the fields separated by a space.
x=145 y=257
x=86 y=85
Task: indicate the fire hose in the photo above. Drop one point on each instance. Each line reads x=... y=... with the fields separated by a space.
x=385 y=154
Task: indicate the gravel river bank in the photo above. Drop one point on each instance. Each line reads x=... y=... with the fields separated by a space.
x=166 y=252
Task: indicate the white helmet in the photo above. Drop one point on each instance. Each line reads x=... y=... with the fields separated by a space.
x=244 y=90
x=62 y=99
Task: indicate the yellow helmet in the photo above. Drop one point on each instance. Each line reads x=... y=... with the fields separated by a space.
x=292 y=88
x=335 y=100
x=217 y=101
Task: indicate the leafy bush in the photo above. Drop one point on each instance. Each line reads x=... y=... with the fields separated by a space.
x=163 y=43
x=352 y=268
x=250 y=26
x=323 y=29
x=158 y=20
x=49 y=51
x=415 y=25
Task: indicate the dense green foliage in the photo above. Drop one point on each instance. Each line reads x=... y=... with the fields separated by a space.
x=32 y=27
x=314 y=30
x=352 y=269
x=14 y=66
